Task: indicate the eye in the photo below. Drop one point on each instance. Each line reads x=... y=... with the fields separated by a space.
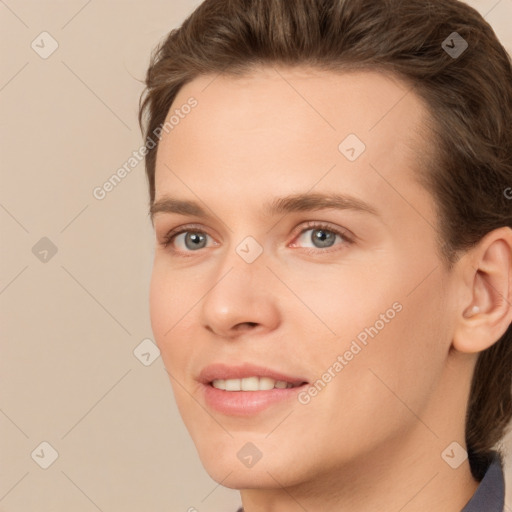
x=191 y=240
x=186 y=239
x=321 y=236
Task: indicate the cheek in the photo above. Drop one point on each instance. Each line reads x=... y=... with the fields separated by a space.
x=161 y=304
x=168 y=313
x=398 y=365
x=393 y=344
x=168 y=307
x=337 y=303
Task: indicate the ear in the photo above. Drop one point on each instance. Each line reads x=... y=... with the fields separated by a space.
x=485 y=312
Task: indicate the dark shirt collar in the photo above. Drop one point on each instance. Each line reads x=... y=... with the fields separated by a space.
x=490 y=494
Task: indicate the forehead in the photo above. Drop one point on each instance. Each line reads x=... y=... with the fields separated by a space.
x=289 y=127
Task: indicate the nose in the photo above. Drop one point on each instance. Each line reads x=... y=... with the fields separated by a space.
x=241 y=299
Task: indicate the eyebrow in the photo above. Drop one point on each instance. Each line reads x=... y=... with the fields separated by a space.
x=277 y=206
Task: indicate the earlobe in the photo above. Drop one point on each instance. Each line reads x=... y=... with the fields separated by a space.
x=486 y=316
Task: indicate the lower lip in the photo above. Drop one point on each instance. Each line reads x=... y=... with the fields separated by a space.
x=246 y=403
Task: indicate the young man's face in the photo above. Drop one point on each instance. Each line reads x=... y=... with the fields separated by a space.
x=354 y=300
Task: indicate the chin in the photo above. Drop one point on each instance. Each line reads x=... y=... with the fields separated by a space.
x=235 y=477
x=229 y=463
x=242 y=479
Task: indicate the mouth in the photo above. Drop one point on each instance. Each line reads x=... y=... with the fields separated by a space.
x=254 y=383
x=246 y=389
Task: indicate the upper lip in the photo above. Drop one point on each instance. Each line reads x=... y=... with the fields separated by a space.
x=223 y=371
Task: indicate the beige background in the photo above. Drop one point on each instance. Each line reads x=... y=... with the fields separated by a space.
x=70 y=324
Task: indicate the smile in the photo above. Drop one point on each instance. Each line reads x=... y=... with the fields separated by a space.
x=247 y=389
x=251 y=384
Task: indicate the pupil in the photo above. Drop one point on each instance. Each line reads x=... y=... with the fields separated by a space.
x=194 y=240
x=323 y=237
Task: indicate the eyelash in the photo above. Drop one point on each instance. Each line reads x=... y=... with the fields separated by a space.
x=310 y=225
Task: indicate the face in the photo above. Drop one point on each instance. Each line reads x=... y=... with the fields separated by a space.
x=307 y=258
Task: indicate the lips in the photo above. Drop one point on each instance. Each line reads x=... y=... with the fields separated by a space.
x=247 y=389
x=221 y=372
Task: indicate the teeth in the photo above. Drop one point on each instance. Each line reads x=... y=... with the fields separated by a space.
x=250 y=384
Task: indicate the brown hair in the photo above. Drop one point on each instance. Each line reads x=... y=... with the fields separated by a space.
x=469 y=98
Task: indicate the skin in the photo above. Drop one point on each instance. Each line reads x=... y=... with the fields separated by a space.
x=372 y=439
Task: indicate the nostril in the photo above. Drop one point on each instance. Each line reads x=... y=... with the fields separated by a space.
x=247 y=325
